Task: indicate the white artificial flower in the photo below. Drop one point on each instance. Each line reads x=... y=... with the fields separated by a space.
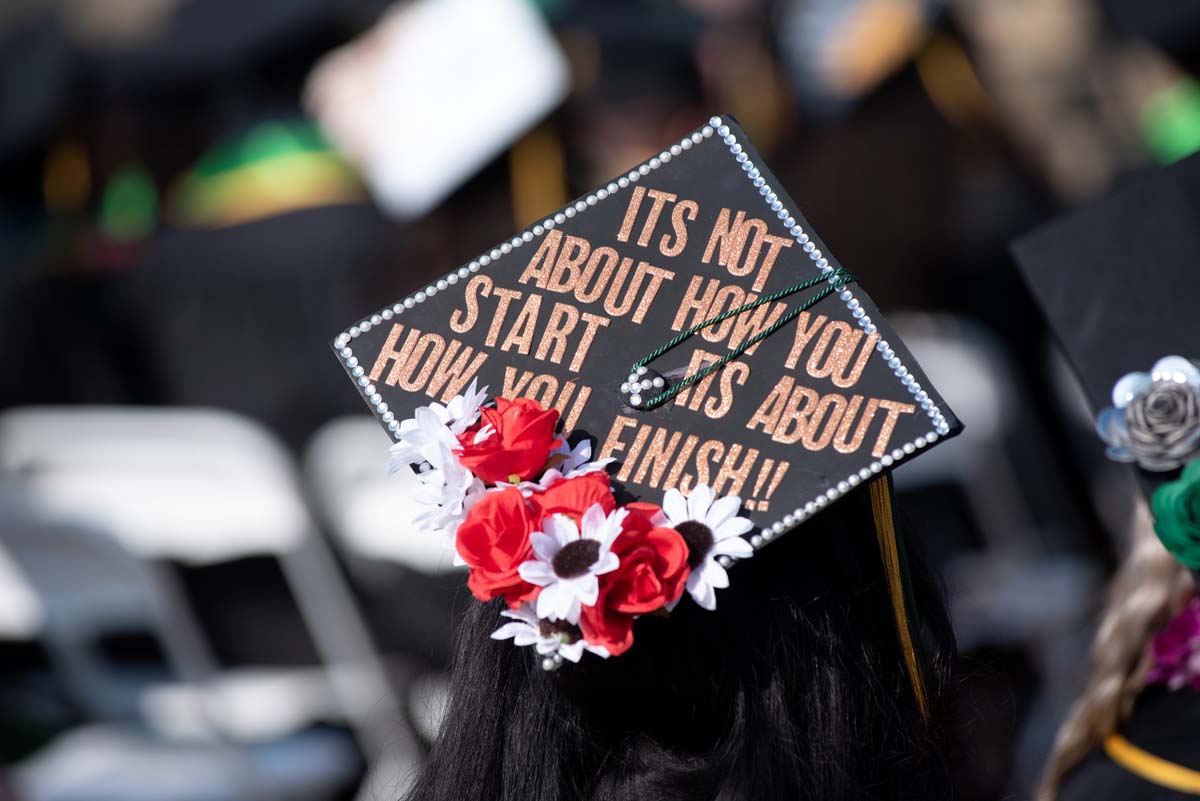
x=568 y=463
x=447 y=490
x=567 y=561
x=463 y=410
x=577 y=461
x=710 y=529
x=435 y=425
x=547 y=637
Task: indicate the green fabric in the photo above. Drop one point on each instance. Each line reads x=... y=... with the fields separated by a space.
x=1176 y=507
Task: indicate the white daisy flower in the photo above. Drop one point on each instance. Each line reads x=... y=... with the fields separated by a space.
x=568 y=463
x=710 y=529
x=567 y=561
x=435 y=425
x=447 y=490
x=548 y=637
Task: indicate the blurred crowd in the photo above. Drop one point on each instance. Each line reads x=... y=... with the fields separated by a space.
x=205 y=590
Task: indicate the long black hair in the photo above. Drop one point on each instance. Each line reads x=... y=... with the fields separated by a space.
x=794 y=688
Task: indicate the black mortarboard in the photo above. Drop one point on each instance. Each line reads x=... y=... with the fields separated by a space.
x=789 y=404
x=1119 y=282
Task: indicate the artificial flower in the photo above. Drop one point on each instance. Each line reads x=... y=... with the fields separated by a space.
x=548 y=637
x=574 y=496
x=605 y=627
x=510 y=443
x=494 y=541
x=1155 y=417
x=435 y=425
x=447 y=491
x=1175 y=651
x=569 y=558
x=654 y=564
x=711 y=529
x=1176 y=507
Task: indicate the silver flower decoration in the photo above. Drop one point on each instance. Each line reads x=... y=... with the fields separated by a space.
x=1155 y=417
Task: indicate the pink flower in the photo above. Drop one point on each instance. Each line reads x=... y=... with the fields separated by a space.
x=1176 y=650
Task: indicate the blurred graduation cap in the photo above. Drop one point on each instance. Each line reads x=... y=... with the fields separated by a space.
x=1119 y=285
x=687 y=320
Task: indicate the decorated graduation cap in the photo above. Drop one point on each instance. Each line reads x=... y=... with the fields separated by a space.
x=611 y=408
x=1119 y=283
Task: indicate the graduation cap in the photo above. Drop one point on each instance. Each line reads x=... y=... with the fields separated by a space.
x=716 y=378
x=1119 y=285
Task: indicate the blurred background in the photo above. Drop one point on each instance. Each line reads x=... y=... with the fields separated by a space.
x=205 y=591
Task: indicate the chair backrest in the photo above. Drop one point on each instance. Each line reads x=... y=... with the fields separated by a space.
x=194 y=486
x=369 y=513
x=87 y=586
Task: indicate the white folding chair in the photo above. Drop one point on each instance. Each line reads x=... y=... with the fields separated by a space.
x=201 y=487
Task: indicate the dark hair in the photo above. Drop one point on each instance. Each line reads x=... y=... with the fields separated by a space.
x=793 y=689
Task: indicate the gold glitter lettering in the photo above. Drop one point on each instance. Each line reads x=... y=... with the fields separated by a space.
x=635 y=450
x=388 y=353
x=571 y=257
x=750 y=323
x=581 y=399
x=591 y=322
x=515 y=382
x=774 y=245
x=657 y=456
x=413 y=379
x=456 y=368
x=840 y=354
x=563 y=319
x=804 y=334
x=708 y=452
x=894 y=410
x=793 y=423
x=674 y=477
x=823 y=422
x=660 y=199
x=657 y=276
x=506 y=297
x=542 y=260
x=524 y=327
x=610 y=257
x=731 y=372
x=546 y=386
x=631 y=212
x=733 y=473
x=840 y=443
x=729 y=297
x=771 y=409
x=683 y=208
x=612 y=442
x=461 y=322
x=694 y=303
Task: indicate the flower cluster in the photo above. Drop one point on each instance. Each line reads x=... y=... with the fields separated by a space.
x=1155 y=416
x=536 y=523
x=1175 y=651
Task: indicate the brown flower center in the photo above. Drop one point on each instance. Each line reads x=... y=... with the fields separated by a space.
x=699 y=539
x=575 y=558
x=559 y=628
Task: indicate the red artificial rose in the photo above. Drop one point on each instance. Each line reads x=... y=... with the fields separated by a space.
x=605 y=627
x=574 y=496
x=652 y=574
x=654 y=564
x=494 y=541
x=518 y=447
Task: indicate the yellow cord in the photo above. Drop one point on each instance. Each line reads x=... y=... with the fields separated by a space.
x=1155 y=770
x=885 y=530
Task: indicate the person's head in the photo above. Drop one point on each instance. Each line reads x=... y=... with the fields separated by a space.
x=794 y=688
